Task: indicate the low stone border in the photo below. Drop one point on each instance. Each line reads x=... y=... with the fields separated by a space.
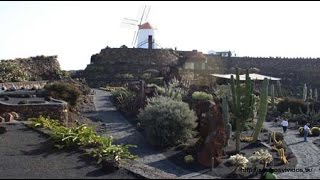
x=138 y=169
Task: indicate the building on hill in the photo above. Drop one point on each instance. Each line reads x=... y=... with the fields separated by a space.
x=146 y=37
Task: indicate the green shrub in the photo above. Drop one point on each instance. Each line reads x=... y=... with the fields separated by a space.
x=201 y=96
x=315 y=131
x=188 y=159
x=125 y=99
x=65 y=91
x=167 y=122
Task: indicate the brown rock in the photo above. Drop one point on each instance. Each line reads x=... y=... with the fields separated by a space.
x=214 y=142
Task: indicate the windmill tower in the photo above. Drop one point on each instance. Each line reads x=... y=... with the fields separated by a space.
x=144 y=36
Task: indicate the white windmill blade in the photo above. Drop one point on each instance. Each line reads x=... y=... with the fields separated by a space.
x=131 y=23
x=129 y=26
x=147 y=13
x=140 y=12
x=143 y=14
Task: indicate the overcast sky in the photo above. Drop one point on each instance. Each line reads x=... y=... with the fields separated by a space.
x=76 y=30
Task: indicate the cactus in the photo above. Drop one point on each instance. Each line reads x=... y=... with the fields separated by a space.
x=226 y=120
x=311 y=113
x=242 y=103
x=272 y=97
x=262 y=109
x=316 y=94
x=279 y=89
x=305 y=90
x=310 y=93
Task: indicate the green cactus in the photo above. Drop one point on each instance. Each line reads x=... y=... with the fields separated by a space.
x=242 y=103
x=305 y=90
x=279 y=89
x=262 y=109
x=226 y=119
x=228 y=129
x=310 y=93
x=316 y=94
x=311 y=113
x=272 y=97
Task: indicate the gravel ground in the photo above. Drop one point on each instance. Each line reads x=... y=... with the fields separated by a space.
x=26 y=154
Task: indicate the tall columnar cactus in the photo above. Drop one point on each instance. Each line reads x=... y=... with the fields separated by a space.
x=279 y=89
x=242 y=103
x=272 y=97
x=310 y=93
x=316 y=94
x=262 y=109
x=305 y=90
x=226 y=119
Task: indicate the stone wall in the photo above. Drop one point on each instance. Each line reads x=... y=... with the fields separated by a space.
x=121 y=64
x=26 y=85
x=55 y=111
x=105 y=66
x=32 y=68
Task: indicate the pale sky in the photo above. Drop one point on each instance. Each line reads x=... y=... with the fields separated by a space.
x=76 y=30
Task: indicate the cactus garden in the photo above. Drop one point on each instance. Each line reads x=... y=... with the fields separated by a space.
x=203 y=127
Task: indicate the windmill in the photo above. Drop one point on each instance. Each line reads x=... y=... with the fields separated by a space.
x=144 y=36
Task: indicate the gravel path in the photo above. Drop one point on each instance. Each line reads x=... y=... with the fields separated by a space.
x=306 y=152
x=26 y=154
x=117 y=126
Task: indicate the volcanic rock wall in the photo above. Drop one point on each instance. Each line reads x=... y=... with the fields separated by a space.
x=118 y=64
x=31 y=69
x=111 y=62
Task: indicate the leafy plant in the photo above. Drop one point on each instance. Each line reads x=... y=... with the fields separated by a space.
x=125 y=100
x=84 y=136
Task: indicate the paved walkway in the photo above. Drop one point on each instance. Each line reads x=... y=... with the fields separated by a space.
x=117 y=126
x=308 y=155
